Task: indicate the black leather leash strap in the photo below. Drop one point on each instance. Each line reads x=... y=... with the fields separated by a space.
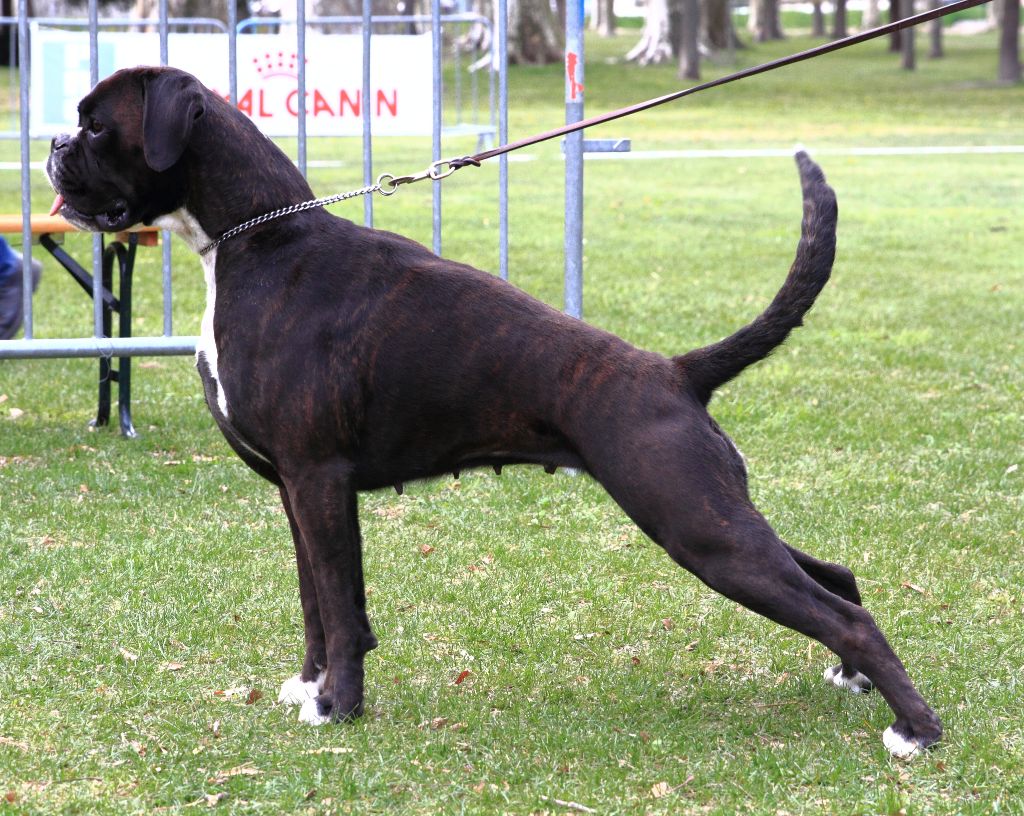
x=387 y=184
x=810 y=53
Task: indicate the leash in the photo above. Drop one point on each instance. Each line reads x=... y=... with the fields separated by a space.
x=387 y=184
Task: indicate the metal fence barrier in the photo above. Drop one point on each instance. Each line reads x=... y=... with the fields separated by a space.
x=492 y=124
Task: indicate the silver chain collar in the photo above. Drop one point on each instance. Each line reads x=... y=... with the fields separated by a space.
x=386 y=185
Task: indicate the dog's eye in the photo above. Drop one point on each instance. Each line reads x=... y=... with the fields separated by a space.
x=95 y=126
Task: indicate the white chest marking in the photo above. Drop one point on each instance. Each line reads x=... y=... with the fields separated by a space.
x=184 y=224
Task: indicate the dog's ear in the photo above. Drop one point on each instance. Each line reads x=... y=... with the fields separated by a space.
x=173 y=104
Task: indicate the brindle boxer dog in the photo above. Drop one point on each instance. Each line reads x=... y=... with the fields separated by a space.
x=337 y=358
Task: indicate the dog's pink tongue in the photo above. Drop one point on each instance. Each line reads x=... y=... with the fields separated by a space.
x=58 y=202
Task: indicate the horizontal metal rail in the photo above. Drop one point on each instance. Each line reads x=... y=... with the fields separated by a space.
x=97 y=347
x=121 y=22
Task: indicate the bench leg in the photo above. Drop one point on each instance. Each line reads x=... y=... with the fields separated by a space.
x=125 y=257
x=107 y=372
x=125 y=264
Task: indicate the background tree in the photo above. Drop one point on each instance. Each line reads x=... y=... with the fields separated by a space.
x=895 y=13
x=872 y=17
x=1009 y=42
x=717 y=30
x=602 y=19
x=935 y=32
x=689 y=49
x=535 y=34
x=654 y=45
x=765 y=20
x=817 y=20
x=908 y=60
x=839 y=27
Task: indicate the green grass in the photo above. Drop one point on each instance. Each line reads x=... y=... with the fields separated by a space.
x=149 y=585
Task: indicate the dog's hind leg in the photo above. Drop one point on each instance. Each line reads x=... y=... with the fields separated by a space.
x=749 y=564
x=308 y=683
x=839 y=580
x=325 y=508
x=686 y=493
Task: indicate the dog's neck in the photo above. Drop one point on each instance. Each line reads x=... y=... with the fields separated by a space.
x=217 y=199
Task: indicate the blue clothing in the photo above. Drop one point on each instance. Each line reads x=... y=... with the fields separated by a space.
x=10 y=263
x=12 y=297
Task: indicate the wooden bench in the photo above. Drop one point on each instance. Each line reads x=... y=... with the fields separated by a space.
x=48 y=229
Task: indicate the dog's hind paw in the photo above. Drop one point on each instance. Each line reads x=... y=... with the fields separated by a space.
x=296 y=691
x=857 y=683
x=900 y=746
x=310 y=713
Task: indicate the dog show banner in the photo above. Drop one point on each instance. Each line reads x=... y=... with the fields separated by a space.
x=400 y=70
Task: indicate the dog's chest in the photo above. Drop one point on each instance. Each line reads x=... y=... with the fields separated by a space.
x=206 y=347
x=184 y=224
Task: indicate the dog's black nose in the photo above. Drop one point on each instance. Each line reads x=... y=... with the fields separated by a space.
x=59 y=142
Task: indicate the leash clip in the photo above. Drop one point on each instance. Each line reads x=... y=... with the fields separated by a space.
x=388 y=184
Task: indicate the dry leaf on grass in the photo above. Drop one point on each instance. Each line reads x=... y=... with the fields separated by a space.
x=245 y=769
x=660 y=789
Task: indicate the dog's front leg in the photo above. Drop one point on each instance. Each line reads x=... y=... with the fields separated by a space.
x=325 y=510
x=308 y=683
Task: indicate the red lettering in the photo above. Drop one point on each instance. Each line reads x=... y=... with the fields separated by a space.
x=392 y=106
x=263 y=111
x=245 y=103
x=320 y=104
x=345 y=99
x=291 y=102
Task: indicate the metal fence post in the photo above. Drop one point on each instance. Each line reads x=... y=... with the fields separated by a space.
x=365 y=110
x=574 y=159
x=435 y=27
x=165 y=236
x=502 y=25
x=300 y=25
x=26 y=180
x=97 y=240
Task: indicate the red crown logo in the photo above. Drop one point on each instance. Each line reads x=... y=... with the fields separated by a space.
x=277 y=63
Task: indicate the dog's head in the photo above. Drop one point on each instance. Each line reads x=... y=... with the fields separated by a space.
x=124 y=166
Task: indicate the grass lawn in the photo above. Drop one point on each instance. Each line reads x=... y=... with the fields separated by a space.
x=150 y=606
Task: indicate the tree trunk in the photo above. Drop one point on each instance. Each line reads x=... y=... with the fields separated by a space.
x=765 y=22
x=1009 y=42
x=993 y=11
x=817 y=20
x=717 y=29
x=534 y=35
x=935 y=33
x=774 y=21
x=839 y=27
x=872 y=17
x=908 y=59
x=895 y=13
x=689 y=52
x=603 y=18
x=654 y=45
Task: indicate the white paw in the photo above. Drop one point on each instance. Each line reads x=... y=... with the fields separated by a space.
x=294 y=691
x=310 y=714
x=898 y=746
x=858 y=684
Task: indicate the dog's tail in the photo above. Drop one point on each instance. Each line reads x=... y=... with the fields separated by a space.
x=710 y=367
